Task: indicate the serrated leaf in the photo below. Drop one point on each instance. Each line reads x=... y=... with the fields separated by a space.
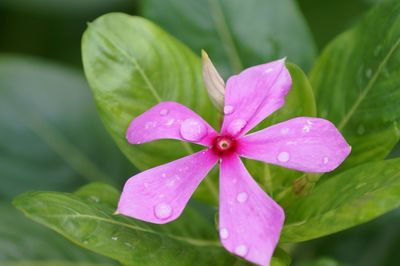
x=236 y=33
x=356 y=83
x=50 y=130
x=352 y=197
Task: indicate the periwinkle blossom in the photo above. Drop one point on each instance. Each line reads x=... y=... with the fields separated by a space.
x=250 y=221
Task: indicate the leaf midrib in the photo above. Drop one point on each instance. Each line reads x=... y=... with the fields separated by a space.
x=367 y=89
x=192 y=241
x=158 y=99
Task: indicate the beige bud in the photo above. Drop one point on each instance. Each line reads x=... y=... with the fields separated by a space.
x=214 y=83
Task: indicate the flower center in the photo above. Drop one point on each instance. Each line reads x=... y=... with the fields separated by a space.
x=224 y=145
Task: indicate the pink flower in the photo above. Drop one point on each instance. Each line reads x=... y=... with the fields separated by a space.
x=250 y=222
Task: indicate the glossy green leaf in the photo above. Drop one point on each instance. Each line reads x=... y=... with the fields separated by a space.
x=356 y=83
x=352 y=197
x=191 y=240
x=131 y=65
x=22 y=242
x=51 y=135
x=235 y=33
x=299 y=102
x=129 y=241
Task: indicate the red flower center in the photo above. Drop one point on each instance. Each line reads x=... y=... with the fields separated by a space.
x=223 y=145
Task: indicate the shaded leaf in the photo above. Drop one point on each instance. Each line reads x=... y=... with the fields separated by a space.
x=356 y=82
x=93 y=226
x=50 y=130
x=22 y=242
x=131 y=65
x=237 y=34
x=352 y=197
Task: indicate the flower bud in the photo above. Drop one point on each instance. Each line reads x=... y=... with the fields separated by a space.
x=214 y=83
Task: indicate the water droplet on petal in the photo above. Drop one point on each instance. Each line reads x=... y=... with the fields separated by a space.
x=283 y=157
x=170 y=183
x=170 y=122
x=228 y=109
x=306 y=129
x=236 y=126
x=284 y=131
x=193 y=130
x=163 y=211
x=163 y=174
x=242 y=197
x=241 y=250
x=268 y=70
x=149 y=125
x=224 y=233
x=164 y=112
x=326 y=160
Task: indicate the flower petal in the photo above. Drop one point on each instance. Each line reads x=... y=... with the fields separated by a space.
x=170 y=120
x=253 y=95
x=250 y=222
x=303 y=143
x=160 y=194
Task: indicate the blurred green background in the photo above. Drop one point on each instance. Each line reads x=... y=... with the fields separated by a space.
x=46 y=108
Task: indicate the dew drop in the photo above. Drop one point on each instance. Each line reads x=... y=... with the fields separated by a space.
x=164 y=175
x=149 y=125
x=268 y=70
x=241 y=250
x=170 y=183
x=164 y=112
x=170 y=122
x=284 y=131
x=114 y=238
x=283 y=157
x=368 y=73
x=224 y=233
x=326 y=160
x=228 y=109
x=242 y=197
x=193 y=130
x=163 y=211
x=236 y=126
x=306 y=129
x=361 y=129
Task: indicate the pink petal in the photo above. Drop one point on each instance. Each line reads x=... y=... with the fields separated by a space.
x=250 y=222
x=170 y=120
x=160 y=194
x=303 y=143
x=253 y=95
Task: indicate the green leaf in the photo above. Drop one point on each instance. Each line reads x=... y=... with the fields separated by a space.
x=52 y=136
x=352 y=197
x=356 y=83
x=25 y=243
x=131 y=65
x=299 y=102
x=235 y=33
x=89 y=222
